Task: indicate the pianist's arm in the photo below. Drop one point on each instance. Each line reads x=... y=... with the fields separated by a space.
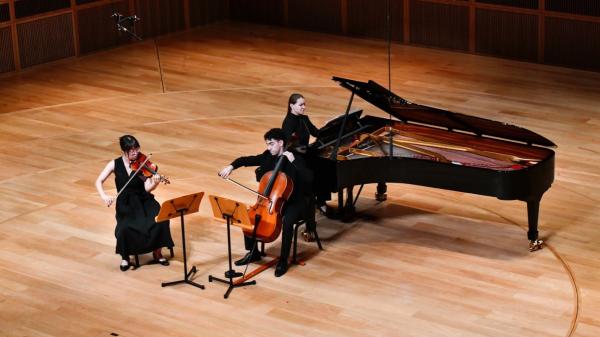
x=312 y=129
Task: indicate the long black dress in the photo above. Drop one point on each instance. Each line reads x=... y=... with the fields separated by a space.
x=136 y=231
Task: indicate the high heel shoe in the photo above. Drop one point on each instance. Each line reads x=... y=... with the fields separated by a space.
x=124 y=265
x=158 y=258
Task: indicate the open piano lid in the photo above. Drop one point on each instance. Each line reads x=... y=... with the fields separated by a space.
x=410 y=112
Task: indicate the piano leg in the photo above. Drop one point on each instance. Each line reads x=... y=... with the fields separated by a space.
x=340 y=209
x=381 y=192
x=346 y=209
x=349 y=208
x=533 y=208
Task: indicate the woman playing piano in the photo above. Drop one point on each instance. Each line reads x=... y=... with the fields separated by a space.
x=298 y=128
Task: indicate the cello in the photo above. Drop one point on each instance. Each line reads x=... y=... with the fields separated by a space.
x=274 y=189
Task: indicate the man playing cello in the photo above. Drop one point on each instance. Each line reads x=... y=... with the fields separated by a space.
x=294 y=208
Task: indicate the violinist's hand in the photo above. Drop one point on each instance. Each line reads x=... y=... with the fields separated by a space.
x=225 y=172
x=289 y=155
x=155 y=178
x=108 y=200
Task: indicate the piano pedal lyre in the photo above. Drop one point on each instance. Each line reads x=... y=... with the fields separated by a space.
x=535 y=245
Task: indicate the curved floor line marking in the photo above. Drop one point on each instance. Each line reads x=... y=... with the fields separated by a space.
x=161 y=122
x=565 y=265
x=150 y=123
x=575 y=287
x=166 y=93
x=223 y=117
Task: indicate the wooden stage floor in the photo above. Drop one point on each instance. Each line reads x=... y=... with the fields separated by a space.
x=427 y=262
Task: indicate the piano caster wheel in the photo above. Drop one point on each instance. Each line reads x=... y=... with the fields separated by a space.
x=535 y=245
x=380 y=196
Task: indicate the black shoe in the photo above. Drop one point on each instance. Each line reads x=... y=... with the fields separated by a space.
x=248 y=258
x=162 y=261
x=158 y=258
x=124 y=267
x=281 y=268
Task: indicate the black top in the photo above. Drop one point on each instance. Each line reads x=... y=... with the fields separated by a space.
x=135 y=207
x=298 y=127
x=300 y=174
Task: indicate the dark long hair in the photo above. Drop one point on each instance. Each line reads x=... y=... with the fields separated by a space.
x=128 y=142
x=292 y=100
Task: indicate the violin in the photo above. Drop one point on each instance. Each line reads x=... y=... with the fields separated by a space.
x=143 y=165
x=274 y=188
x=147 y=168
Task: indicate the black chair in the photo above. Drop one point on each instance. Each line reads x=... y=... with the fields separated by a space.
x=297 y=225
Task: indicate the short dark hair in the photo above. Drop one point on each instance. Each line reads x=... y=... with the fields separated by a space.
x=128 y=142
x=292 y=100
x=275 y=133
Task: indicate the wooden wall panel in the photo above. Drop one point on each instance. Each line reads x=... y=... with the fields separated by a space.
x=203 y=12
x=532 y=4
x=81 y=2
x=24 y=8
x=565 y=43
x=507 y=34
x=4 y=12
x=580 y=7
x=369 y=18
x=46 y=40
x=512 y=32
x=269 y=12
x=439 y=25
x=316 y=15
x=7 y=62
x=97 y=29
x=159 y=17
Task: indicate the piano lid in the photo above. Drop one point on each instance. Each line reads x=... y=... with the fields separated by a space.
x=410 y=112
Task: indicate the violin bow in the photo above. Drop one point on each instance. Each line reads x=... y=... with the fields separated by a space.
x=247 y=188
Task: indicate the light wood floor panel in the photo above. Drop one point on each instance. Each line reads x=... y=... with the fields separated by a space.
x=427 y=262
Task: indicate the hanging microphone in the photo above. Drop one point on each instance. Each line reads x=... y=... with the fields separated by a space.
x=126 y=23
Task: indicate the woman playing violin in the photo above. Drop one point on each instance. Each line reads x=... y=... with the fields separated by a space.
x=136 y=208
x=294 y=208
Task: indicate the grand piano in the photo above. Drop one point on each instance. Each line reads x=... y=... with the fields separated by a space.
x=431 y=147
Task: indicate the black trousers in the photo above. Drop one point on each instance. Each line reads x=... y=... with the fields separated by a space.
x=309 y=212
x=292 y=213
x=309 y=197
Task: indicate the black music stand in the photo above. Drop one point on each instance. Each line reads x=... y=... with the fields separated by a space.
x=178 y=207
x=234 y=213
